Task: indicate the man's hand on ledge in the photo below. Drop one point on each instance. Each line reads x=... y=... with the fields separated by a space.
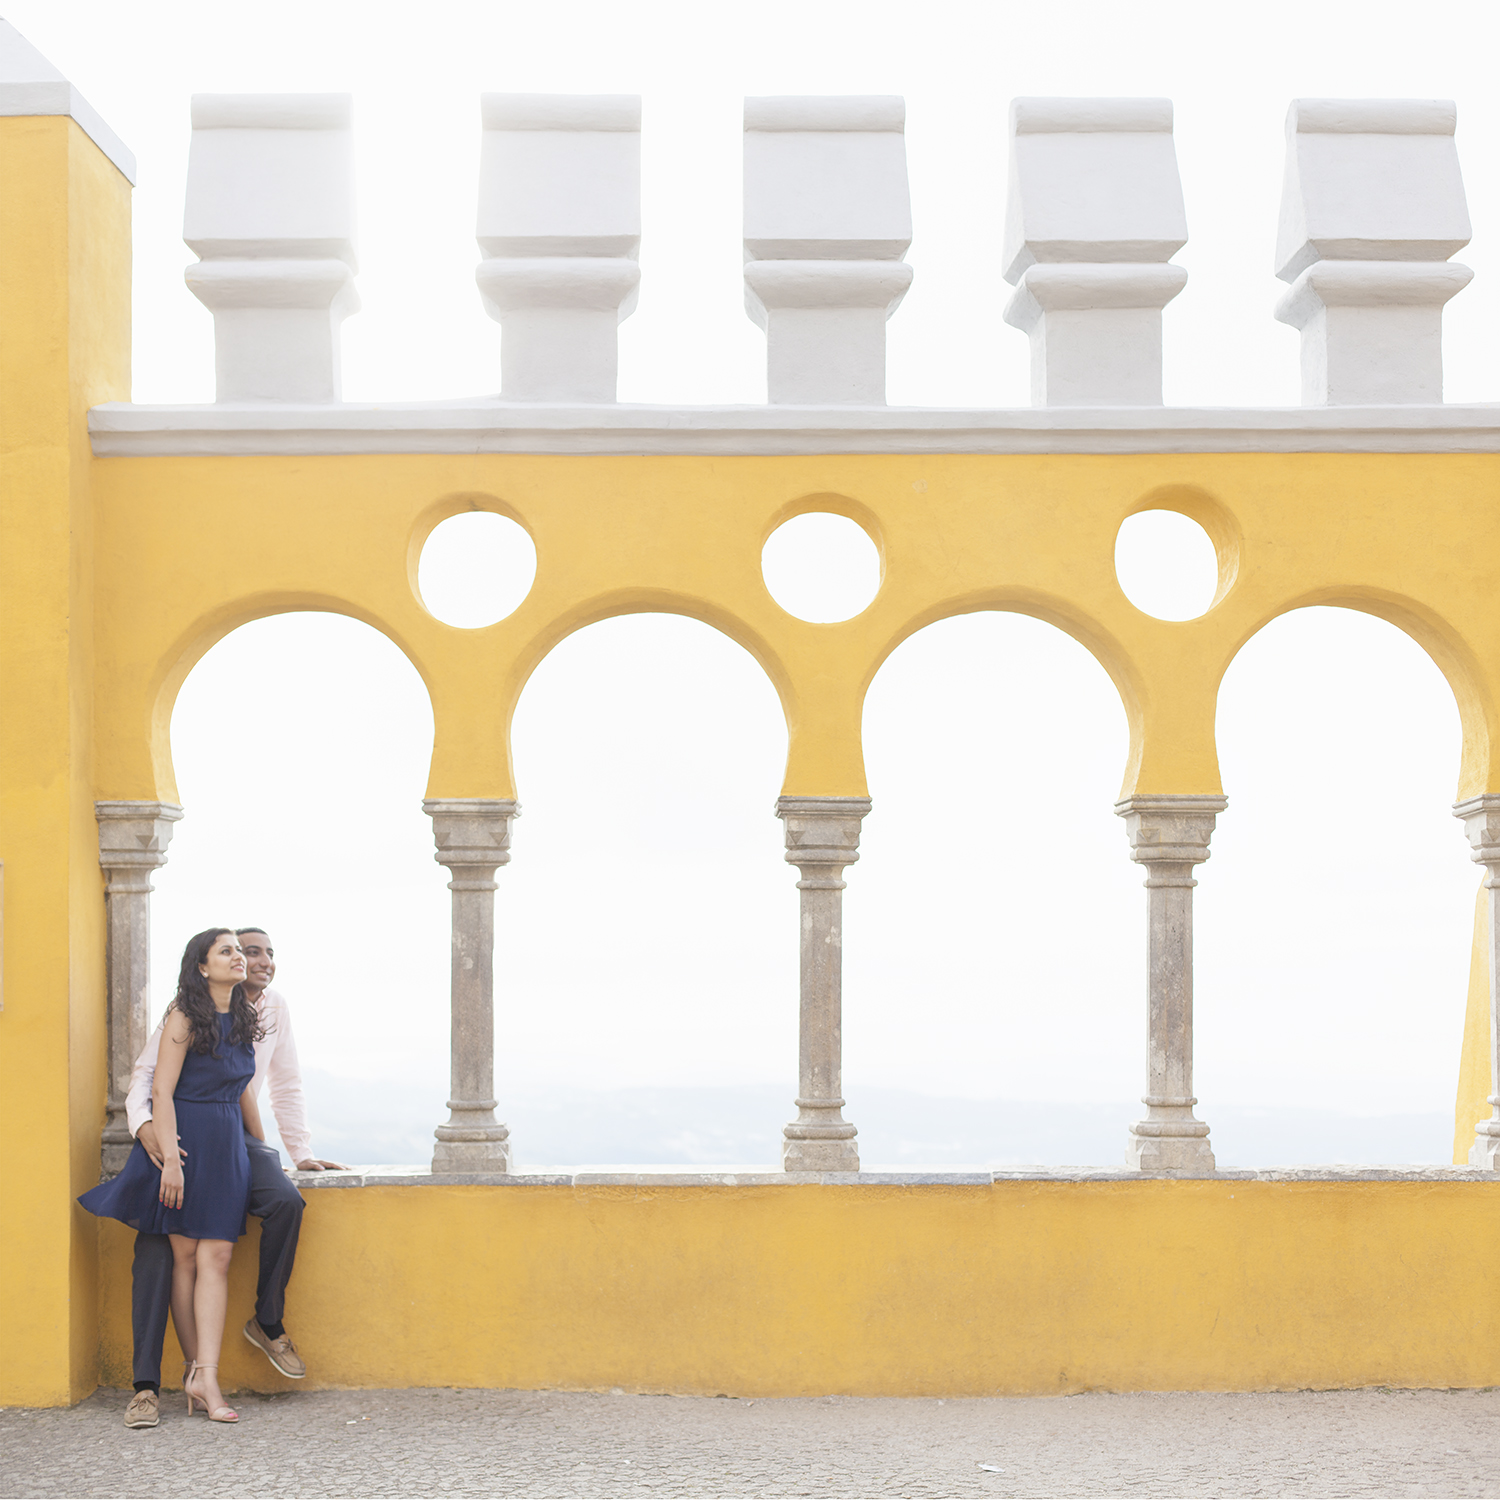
x=317 y=1164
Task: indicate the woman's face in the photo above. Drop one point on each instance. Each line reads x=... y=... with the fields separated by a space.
x=226 y=961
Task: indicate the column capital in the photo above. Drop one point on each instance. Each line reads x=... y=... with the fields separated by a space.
x=822 y=831
x=472 y=832
x=822 y=836
x=1167 y=829
x=133 y=838
x=1481 y=820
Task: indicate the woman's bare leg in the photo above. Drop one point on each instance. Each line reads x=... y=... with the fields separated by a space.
x=184 y=1280
x=210 y=1303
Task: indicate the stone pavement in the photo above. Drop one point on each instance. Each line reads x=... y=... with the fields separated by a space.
x=547 y=1445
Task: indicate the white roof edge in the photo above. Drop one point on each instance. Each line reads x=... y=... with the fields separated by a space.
x=272 y=111
x=588 y=112
x=59 y=97
x=1041 y=115
x=487 y=425
x=1372 y=117
x=826 y=112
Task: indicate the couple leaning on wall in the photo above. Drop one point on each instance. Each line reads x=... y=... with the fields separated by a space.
x=200 y=1165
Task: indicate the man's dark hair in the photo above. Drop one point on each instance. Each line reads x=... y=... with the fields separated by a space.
x=241 y=931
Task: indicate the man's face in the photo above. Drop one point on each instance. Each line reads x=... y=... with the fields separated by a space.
x=260 y=960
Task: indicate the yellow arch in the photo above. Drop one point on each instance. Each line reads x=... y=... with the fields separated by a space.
x=200 y=638
x=1436 y=635
x=1105 y=648
x=625 y=602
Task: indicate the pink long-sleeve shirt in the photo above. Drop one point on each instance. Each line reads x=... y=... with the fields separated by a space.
x=275 y=1063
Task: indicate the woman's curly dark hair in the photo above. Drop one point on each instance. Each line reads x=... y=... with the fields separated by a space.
x=197 y=1004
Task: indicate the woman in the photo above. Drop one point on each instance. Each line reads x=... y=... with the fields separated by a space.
x=200 y=1097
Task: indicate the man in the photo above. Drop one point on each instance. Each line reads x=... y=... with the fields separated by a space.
x=274 y=1200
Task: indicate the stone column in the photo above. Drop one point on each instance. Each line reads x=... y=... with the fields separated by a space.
x=822 y=837
x=1169 y=835
x=133 y=839
x=1481 y=820
x=473 y=841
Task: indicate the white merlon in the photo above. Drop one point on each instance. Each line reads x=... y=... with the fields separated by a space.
x=560 y=229
x=270 y=213
x=30 y=85
x=1093 y=214
x=827 y=222
x=1372 y=207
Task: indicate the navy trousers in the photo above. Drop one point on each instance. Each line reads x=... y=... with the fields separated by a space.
x=275 y=1201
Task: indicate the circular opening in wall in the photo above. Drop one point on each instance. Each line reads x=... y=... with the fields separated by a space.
x=1166 y=565
x=475 y=569
x=821 y=567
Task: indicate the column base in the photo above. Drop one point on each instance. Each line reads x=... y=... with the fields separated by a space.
x=473 y=1141
x=1177 y=1144
x=472 y=1158
x=819 y=1156
x=114 y=1151
x=820 y=1139
x=1485 y=1152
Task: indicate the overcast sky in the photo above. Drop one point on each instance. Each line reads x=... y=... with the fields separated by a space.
x=647 y=926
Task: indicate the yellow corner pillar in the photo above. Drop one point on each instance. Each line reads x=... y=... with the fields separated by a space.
x=65 y=312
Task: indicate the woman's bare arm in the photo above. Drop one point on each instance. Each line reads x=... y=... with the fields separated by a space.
x=251 y=1111
x=174 y=1041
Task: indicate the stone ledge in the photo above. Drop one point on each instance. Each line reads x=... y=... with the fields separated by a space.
x=656 y=1177
x=488 y=425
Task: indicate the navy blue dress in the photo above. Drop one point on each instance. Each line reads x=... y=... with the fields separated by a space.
x=216 y=1174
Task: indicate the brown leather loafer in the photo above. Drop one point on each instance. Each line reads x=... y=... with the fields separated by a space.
x=281 y=1352
x=144 y=1410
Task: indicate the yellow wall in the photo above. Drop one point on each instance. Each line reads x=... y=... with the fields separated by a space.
x=64 y=346
x=1020 y=1288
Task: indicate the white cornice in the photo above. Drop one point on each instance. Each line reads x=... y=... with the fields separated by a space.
x=487 y=425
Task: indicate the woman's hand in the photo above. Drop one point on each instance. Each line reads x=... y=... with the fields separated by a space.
x=171 y=1184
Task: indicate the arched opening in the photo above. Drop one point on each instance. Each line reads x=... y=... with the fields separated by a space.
x=301 y=744
x=646 y=928
x=1334 y=919
x=994 y=938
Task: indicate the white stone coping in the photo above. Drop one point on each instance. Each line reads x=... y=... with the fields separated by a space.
x=489 y=425
x=30 y=85
x=760 y=1176
x=61 y=98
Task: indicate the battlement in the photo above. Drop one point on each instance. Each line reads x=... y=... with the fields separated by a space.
x=1373 y=210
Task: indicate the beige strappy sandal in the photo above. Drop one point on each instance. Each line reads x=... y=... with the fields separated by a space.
x=218 y=1413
